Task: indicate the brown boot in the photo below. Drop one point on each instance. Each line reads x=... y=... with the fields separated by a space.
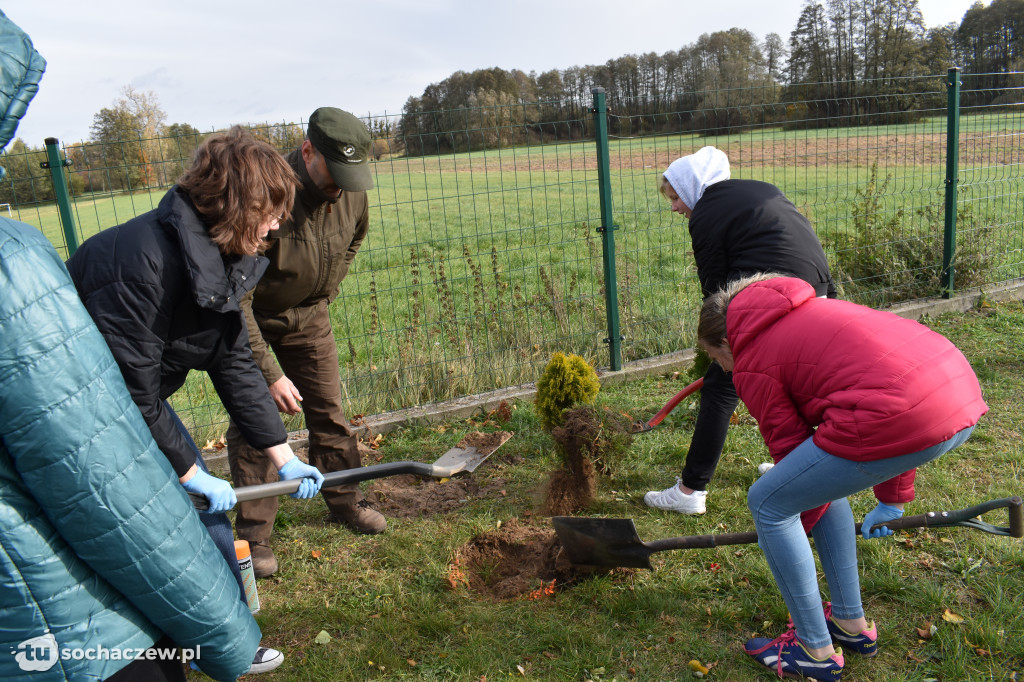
x=360 y=518
x=264 y=563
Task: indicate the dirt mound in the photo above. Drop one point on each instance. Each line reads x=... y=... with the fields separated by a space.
x=514 y=561
x=408 y=496
x=485 y=443
x=591 y=441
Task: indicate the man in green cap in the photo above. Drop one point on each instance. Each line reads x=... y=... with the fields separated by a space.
x=288 y=313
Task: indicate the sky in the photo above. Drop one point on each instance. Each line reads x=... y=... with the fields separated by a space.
x=220 y=62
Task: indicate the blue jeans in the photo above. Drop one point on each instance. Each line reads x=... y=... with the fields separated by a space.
x=806 y=478
x=217 y=525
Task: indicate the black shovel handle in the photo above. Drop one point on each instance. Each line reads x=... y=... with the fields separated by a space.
x=256 y=492
x=959 y=517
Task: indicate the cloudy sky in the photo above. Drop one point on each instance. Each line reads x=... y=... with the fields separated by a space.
x=218 y=62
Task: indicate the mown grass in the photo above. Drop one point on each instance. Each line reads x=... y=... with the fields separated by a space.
x=386 y=602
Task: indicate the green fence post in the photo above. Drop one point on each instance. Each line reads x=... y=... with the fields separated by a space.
x=60 y=191
x=607 y=230
x=952 y=178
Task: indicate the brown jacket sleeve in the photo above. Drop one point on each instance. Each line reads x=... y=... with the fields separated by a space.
x=362 y=227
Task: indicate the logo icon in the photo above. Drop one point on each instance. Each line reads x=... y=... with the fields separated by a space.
x=38 y=653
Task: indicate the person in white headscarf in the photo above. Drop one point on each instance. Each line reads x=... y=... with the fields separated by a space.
x=688 y=176
x=737 y=228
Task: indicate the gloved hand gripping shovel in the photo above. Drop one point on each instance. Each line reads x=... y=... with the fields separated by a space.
x=458 y=460
x=614 y=542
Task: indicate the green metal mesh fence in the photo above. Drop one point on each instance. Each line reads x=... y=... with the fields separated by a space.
x=484 y=254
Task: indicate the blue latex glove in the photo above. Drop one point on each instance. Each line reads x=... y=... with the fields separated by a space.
x=880 y=514
x=311 y=477
x=217 y=491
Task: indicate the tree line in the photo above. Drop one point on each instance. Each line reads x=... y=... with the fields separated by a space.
x=846 y=62
x=131 y=147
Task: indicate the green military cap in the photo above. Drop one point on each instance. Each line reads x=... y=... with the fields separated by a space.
x=345 y=143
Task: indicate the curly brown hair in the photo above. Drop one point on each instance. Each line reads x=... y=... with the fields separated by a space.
x=237 y=183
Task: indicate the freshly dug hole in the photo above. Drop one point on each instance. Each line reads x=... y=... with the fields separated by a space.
x=516 y=560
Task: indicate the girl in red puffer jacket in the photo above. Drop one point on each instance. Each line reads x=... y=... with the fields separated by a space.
x=846 y=398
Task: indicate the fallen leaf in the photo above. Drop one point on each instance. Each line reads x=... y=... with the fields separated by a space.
x=927 y=631
x=322 y=637
x=982 y=652
x=522 y=670
x=951 y=617
x=316 y=553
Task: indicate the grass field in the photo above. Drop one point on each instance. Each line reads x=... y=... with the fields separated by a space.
x=480 y=265
x=389 y=609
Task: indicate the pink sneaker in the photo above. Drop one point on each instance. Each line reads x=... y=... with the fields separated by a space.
x=787 y=656
x=864 y=643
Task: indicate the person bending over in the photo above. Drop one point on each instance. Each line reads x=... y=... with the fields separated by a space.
x=737 y=228
x=846 y=398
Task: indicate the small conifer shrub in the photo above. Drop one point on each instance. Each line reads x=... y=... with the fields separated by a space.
x=568 y=380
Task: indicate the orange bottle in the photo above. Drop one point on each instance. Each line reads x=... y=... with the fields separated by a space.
x=244 y=556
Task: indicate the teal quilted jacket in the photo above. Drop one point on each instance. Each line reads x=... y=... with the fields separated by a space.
x=21 y=67
x=99 y=545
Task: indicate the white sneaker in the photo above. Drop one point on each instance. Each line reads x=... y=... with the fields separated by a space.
x=763 y=467
x=266 y=659
x=674 y=499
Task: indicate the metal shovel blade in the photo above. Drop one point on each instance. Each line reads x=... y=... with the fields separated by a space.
x=456 y=461
x=467 y=458
x=462 y=460
x=615 y=542
x=602 y=542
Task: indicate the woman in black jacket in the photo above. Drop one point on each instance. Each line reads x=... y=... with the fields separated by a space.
x=163 y=289
x=738 y=228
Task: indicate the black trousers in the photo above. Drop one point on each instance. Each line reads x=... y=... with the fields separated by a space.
x=718 y=400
